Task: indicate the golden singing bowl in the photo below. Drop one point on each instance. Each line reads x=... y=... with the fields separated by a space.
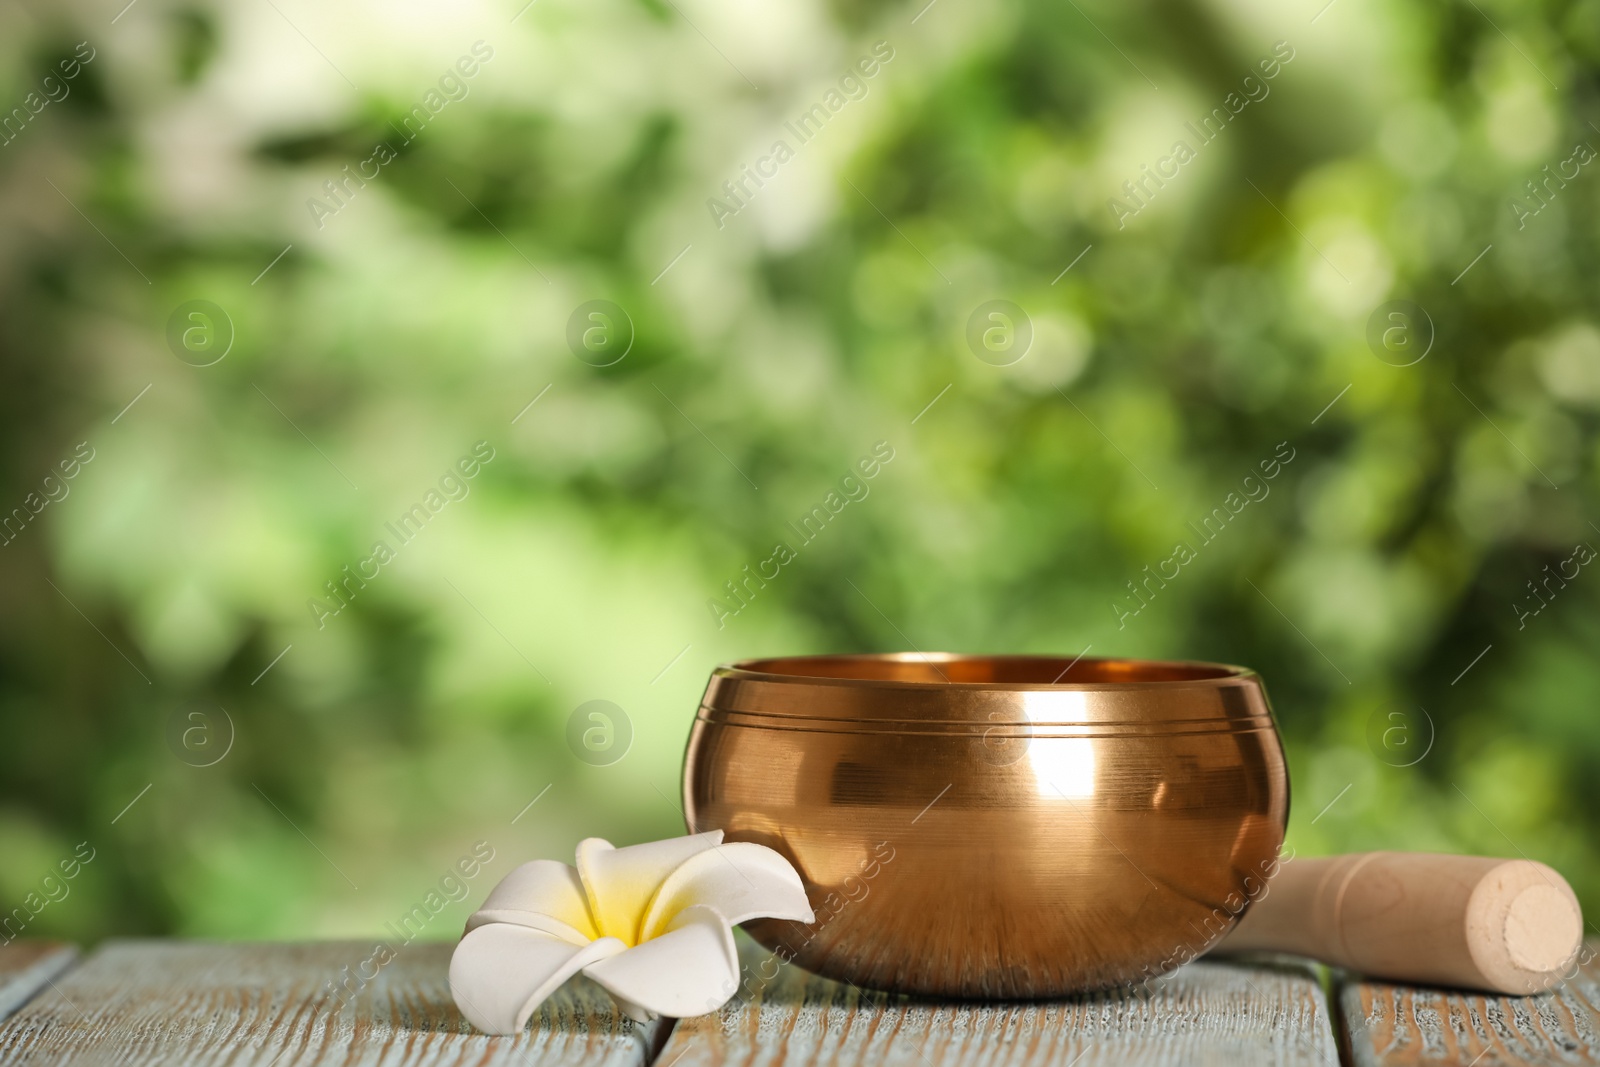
x=995 y=826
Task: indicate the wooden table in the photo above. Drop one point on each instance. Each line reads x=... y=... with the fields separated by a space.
x=249 y=1005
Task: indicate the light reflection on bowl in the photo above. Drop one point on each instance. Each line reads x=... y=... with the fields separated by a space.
x=995 y=826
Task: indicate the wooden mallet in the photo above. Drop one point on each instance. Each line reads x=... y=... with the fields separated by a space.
x=1506 y=926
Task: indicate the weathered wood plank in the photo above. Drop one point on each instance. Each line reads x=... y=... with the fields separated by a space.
x=150 y=1002
x=1231 y=1014
x=1402 y=1026
x=26 y=966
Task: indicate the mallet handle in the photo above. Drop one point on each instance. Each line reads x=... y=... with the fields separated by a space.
x=1507 y=926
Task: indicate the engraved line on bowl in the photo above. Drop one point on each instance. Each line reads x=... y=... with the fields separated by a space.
x=746 y=717
x=1210 y=724
x=1264 y=728
x=979 y=726
x=1235 y=676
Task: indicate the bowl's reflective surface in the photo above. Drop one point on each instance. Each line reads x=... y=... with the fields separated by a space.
x=995 y=826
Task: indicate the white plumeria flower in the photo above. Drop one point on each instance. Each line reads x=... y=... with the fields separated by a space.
x=652 y=923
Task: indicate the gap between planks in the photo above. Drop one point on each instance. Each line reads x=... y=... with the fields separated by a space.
x=27 y=967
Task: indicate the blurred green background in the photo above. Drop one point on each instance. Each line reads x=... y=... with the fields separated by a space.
x=241 y=763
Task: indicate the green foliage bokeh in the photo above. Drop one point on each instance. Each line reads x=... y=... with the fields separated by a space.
x=1206 y=322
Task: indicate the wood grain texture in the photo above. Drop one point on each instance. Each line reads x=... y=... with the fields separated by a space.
x=1232 y=1014
x=1401 y=1026
x=174 y=1002
x=28 y=966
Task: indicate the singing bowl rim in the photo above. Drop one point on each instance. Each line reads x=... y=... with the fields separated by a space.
x=1142 y=673
x=889 y=688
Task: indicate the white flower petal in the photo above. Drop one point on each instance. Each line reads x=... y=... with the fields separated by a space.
x=500 y=973
x=636 y=1012
x=543 y=895
x=690 y=970
x=740 y=880
x=620 y=882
